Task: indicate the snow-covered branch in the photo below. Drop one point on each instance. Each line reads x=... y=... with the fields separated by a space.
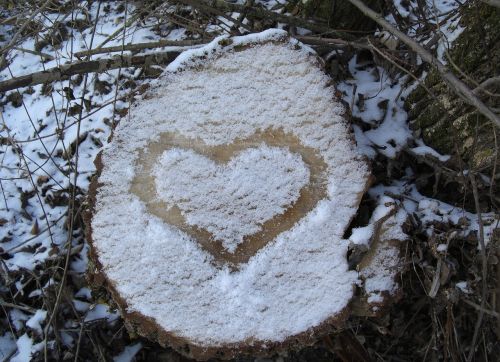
x=66 y=71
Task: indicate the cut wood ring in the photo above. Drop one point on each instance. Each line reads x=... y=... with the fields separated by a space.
x=239 y=101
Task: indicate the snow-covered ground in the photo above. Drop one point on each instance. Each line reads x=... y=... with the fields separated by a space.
x=50 y=136
x=39 y=161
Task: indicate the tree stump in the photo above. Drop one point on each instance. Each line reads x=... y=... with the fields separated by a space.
x=218 y=217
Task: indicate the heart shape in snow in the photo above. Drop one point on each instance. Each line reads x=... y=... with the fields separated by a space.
x=230 y=200
x=233 y=199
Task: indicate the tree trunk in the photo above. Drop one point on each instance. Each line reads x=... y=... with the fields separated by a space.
x=447 y=123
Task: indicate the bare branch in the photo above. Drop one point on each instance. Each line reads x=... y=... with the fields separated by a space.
x=340 y=43
x=44 y=56
x=67 y=70
x=17 y=306
x=488 y=82
x=120 y=29
x=142 y=46
x=484 y=267
x=478 y=307
x=455 y=84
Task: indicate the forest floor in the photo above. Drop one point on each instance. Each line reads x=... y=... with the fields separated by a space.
x=51 y=133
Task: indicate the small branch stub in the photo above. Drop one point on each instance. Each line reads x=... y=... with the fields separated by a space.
x=218 y=216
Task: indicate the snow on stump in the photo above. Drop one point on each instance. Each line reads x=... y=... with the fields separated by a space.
x=218 y=218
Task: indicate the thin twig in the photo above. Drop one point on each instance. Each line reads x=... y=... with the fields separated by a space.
x=17 y=306
x=482 y=245
x=386 y=57
x=71 y=206
x=481 y=87
x=478 y=307
x=142 y=46
x=44 y=56
x=117 y=87
x=341 y=43
x=120 y=29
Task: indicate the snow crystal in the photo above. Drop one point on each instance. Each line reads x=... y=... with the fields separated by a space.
x=430 y=211
x=298 y=279
x=375 y=297
x=18 y=318
x=35 y=321
x=84 y=293
x=380 y=273
x=239 y=208
x=7 y=346
x=402 y=7
x=464 y=287
x=100 y=311
x=424 y=150
x=128 y=353
x=49 y=115
x=373 y=88
x=24 y=346
x=442 y=248
x=35 y=293
x=67 y=339
x=362 y=235
x=378 y=99
x=191 y=57
x=81 y=306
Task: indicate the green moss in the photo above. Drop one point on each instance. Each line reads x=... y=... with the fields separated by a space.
x=225 y=42
x=432 y=79
x=428 y=117
x=483 y=157
x=439 y=136
x=416 y=96
x=477 y=49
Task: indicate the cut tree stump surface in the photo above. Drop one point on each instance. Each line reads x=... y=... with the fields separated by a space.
x=218 y=217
